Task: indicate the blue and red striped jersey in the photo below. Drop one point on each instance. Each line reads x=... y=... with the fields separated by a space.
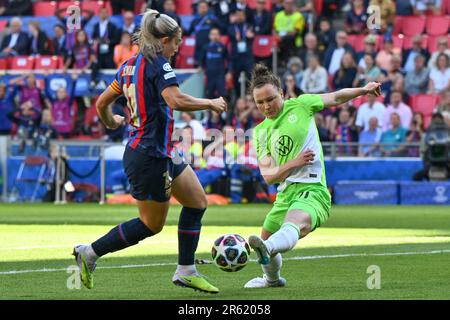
x=142 y=81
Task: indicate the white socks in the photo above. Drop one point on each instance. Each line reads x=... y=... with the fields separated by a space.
x=272 y=270
x=90 y=254
x=187 y=270
x=284 y=239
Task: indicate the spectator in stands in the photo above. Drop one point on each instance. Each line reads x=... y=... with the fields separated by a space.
x=421 y=7
x=44 y=132
x=326 y=35
x=170 y=9
x=399 y=107
x=128 y=22
x=38 y=39
x=200 y=27
x=7 y=105
x=442 y=47
x=59 y=41
x=387 y=10
x=346 y=74
x=242 y=115
x=372 y=108
x=61 y=109
x=391 y=140
x=241 y=37
x=324 y=134
x=17 y=42
x=119 y=5
x=369 y=48
x=440 y=75
x=415 y=134
x=444 y=106
x=3 y=6
x=26 y=117
x=290 y=88
x=29 y=92
x=356 y=19
x=370 y=73
x=334 y=54
x=410 y=54
x=416 y=81
x=306 y=8
x=277 y=6
x=295 y=68
x=384 y=56
x=369 y=139
x=315 y=77
x=289 y=26
x=189 y=120
x=310 y=48
x=213 y=120
x=214 y=60
x=222 y=10
x=345 y=133
x=262 y=19
x=403 y=8
x=105 y=36
x=82 y=56
x=19 y=8
x=125 y=49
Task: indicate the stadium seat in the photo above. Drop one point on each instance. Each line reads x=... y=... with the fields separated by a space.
x=44 y=8
x=184 y=7
x=318 y=7
x=445 y=7
x=3 y=64
x=252 y=4
x=262 y=46
x=398 y=24
x=93 y=6
x=48 y=62
x=22 y=63
x=397 y=40
x=66 y=4
x=437 y=25
x=407 y=42
x=423 y=103
x=356 y=41
x=412 y=25
x=186 y=53
x=433 y=41
x=3 y=24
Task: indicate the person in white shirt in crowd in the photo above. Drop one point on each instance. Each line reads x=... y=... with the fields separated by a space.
x=399 y=107
x=416 y=81
x=369 y=139
x=372 y=108
x=440 y=75
x=198 y=130
x=315 y=77
x=442 y=47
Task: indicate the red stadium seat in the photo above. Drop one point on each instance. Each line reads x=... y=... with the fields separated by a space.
x=66 y=4
x=3 y=24
x=184 y=62
x=3 y=64
x=407 y=42
x=184 y=7
x=95 y=6
x=437 y=25
x=48 y=62
x=356 y=41
x=252 y=4
x=413 y=25
x=423 y=103
x=21 y=63
x=262 y=46
x=445 y=7
x=185 y=58
x=396 y=39
x=433 y=43
x=318 y=7
x=44 y=8
x=398 y=24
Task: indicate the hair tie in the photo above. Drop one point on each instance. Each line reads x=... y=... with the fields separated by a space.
x=157 y=15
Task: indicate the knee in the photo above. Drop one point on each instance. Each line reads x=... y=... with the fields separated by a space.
x=202 y=201
x=155 y=226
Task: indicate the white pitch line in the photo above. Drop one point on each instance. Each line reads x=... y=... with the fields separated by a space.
x=347 y=255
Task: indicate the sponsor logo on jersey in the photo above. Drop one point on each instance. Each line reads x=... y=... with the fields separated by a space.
x=167 y=67
x=284 y=145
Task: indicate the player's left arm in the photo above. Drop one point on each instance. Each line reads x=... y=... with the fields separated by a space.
x=103 y=105
x=344 y=95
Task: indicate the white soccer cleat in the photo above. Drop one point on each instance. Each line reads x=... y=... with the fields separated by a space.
x=264 y=283
x=258 y=245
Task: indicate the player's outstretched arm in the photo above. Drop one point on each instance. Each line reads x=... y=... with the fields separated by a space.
x=104 y=111
x=180 y=101
x=344 y=95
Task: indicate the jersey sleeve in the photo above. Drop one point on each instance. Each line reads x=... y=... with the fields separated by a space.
x=117 y=83
x=165 y=76
x=313 y=102
x=260 y=142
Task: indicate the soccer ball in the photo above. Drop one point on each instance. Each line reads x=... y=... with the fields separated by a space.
x=230 y=252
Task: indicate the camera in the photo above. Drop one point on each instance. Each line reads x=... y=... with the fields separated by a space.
x=437 y=150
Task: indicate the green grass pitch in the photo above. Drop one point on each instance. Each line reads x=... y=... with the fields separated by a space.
x=410 y=245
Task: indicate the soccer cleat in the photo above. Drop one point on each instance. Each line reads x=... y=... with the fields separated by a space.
x=86 y=269
x=196 y=282
x=258 y=245
x=264 y=283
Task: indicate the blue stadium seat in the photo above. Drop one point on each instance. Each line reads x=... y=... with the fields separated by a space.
x=82 y=87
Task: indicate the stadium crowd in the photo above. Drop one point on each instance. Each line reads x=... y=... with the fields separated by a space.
x=322 y=46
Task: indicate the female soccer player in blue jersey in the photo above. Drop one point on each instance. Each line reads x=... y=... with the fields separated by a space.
x=151 y=89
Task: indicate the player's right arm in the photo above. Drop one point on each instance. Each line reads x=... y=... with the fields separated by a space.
x=180 y=101
x=276 y=174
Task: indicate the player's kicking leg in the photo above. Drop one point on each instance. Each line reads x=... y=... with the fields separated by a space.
x=297 y=223
x=187 y=190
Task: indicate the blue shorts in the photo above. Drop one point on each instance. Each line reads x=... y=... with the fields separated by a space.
x=150 y=177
